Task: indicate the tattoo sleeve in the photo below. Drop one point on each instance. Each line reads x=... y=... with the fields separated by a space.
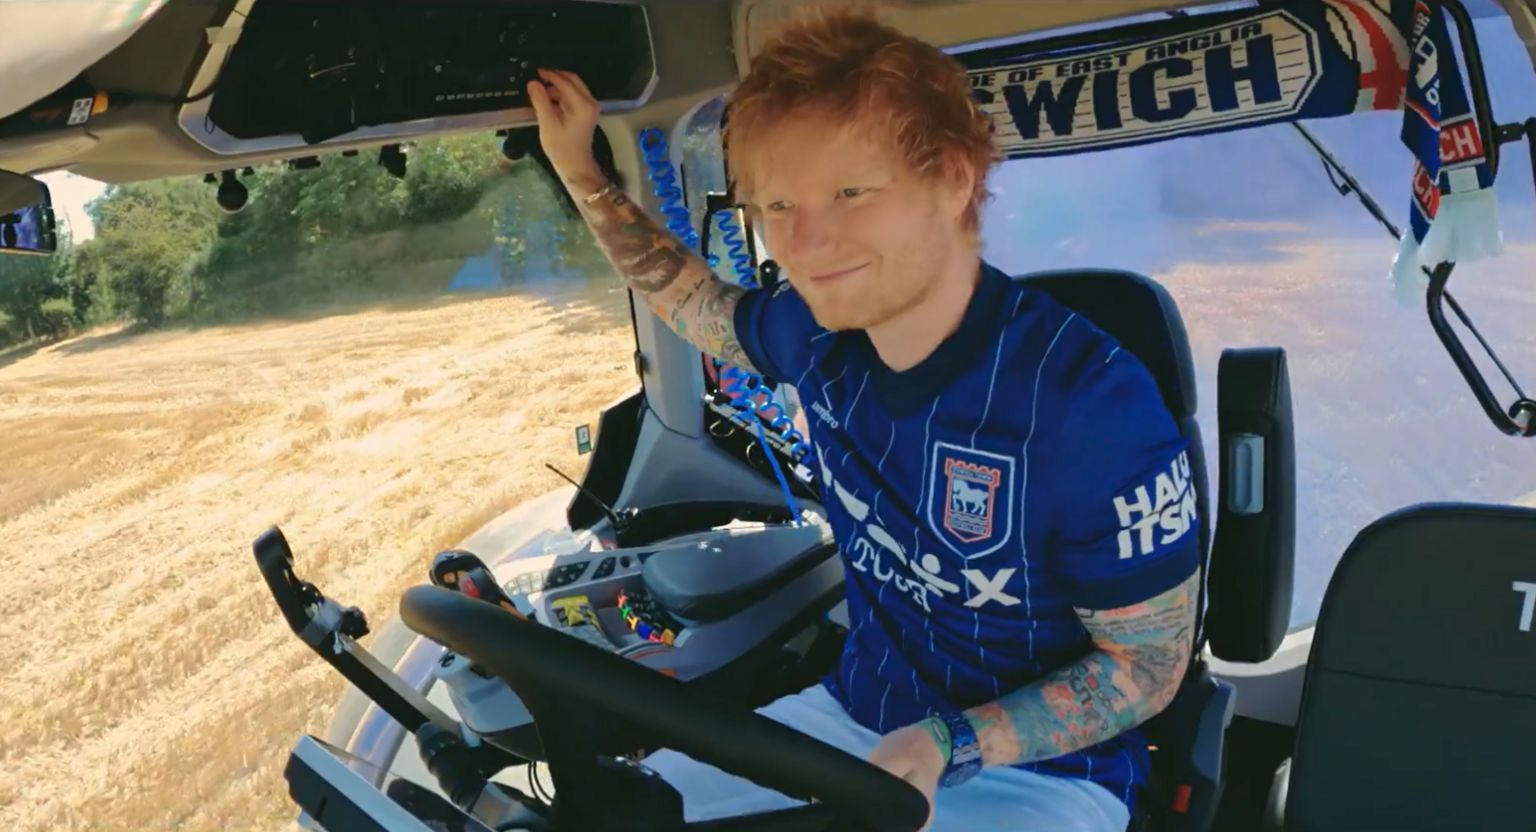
x=1143 y=650
x=676 y=283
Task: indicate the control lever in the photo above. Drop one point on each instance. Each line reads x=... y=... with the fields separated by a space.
x=619 y=519
x=464 y=572
x=330 y=629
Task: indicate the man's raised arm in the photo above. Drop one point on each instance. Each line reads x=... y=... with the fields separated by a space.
x=676 y=283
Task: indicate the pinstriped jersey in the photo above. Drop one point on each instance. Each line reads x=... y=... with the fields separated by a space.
x=1026 y=467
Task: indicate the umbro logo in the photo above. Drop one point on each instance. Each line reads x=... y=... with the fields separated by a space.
x=824 y=414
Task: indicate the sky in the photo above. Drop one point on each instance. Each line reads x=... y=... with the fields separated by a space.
x=70 y=194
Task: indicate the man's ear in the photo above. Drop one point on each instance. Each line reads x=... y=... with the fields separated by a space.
x=956 y=192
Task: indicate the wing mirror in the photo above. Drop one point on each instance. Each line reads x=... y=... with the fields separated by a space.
x=27 y=224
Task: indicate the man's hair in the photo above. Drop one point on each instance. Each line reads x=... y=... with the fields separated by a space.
x=846 y=65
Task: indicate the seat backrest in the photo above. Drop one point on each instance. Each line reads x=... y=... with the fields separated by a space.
x=1141 y=315
x=1186 y=781
x=1419 y=708
x=1249 y=563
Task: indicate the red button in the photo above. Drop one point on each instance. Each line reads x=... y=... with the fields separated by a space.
x=467 y=586
x=1181 y=797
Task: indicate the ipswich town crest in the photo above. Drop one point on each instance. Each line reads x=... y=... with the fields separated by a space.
x=970 y=499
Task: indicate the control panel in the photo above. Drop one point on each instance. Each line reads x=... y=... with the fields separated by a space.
x=321 y=70
x=565 y=572
x=685 y=608
x=579 y=593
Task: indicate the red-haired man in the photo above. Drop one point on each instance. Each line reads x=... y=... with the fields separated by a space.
x=1011 y=498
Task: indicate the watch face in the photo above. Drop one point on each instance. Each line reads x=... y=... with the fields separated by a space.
x=968 y=752
x=964 y=744
x=965 y=751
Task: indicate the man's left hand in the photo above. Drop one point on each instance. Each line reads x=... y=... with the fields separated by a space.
x=912 y=754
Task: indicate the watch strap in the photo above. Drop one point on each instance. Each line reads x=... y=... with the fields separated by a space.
x=964 y=749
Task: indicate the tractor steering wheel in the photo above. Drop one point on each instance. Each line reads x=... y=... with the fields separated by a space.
x=570 y=686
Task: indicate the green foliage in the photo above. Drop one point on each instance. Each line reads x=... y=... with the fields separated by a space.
x=149 y=235
x=27 y=283
x=164 y=250
x=55 y=318
x=447 y=178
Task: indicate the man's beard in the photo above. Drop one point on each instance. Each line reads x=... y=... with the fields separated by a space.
x=871 y=300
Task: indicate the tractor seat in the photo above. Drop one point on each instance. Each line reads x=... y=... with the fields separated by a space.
x=1419 y=707
x=1249 y=560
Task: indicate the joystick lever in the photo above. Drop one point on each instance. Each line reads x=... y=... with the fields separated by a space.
x=464 y=572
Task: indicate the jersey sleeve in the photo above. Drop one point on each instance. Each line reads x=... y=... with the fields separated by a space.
x=775 y=328
x=1127 y=527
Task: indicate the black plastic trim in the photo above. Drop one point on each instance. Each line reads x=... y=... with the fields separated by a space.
x=618 y=431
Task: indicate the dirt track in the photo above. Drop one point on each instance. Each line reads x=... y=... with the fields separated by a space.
x=149 y=682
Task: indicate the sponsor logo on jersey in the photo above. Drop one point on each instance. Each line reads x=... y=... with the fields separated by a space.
x=874 y=551
x=1158 y=513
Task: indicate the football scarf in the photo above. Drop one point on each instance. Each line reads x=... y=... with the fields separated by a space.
x=1215 y=73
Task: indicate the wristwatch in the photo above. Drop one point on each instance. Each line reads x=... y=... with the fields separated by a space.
x=964 y=750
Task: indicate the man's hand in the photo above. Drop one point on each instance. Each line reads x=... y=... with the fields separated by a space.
x=567 y=115
x=913 y=754
x=678 y=285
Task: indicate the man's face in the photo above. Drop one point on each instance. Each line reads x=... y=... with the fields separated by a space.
x=859 y=236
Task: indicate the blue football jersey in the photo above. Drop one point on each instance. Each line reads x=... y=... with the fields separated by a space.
x=1026 y=467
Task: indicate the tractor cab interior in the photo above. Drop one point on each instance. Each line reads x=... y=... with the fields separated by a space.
x=1409 y=704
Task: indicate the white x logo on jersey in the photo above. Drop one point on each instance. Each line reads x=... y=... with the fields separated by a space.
x=990 y=589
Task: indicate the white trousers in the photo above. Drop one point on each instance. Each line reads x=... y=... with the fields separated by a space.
x=999 y=798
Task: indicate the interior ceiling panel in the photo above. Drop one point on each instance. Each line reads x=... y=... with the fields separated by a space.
x=162 y=57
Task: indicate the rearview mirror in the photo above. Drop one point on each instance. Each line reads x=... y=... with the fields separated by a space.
x=27 y=224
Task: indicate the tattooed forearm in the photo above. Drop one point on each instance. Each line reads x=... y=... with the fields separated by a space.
x=1142 y=653
x=716 y=321
x=676 y=283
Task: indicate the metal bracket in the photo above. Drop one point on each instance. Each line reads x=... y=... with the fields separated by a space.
x=1520 y=418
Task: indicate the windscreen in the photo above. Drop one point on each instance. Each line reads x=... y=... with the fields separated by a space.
x=379 y=365
x=1258 y=248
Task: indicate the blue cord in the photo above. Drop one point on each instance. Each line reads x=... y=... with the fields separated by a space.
x=658 y=162
x=740 y=386
x=743 y=388
x=736 y=249
x=737 y=383
x=789 y=497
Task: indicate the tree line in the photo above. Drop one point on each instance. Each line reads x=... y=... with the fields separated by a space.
x=164 y=251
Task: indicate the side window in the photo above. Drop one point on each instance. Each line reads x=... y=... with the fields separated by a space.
x=1259 y=249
